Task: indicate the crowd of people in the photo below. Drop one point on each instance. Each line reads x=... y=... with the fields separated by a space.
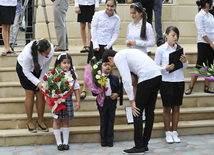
x=142 y=77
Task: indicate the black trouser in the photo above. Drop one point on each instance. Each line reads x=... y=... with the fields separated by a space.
x=146 y=97
x=107 y=116
x=29 y=22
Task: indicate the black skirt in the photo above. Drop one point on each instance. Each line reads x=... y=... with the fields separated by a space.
x=172 y=93
x=205 y=53
x=7 y=14
x=26 y=84
x=97 y=54
x=87 y=13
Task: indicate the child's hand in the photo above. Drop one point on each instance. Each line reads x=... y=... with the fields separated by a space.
x=96 y=9
x=105 y=48
x=96 y=49
x=77 y=106
x=170 y=67
x=128 y=43
x=183 y=58
x=133 y=42
x=114 y=96
x=77 y=10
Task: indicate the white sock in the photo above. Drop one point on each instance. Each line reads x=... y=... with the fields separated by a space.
x=57 y=134
x=65 y=132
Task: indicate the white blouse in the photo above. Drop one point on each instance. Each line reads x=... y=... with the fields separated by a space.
x=133 y=60
x=25 y=59
x=133 y=33
x=205 y=25
x=102 y=27
x=162 y=57
x=87 y=2
x=8 y=2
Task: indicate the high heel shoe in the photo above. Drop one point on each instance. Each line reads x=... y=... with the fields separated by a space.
x=189 y=91
x=45 y=129
x=32 y=130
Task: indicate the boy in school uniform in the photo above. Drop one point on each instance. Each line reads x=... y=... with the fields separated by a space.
x=107 y=111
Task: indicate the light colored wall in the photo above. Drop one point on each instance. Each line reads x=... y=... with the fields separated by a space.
x=181 y=14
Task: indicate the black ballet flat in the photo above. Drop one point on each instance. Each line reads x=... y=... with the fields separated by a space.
x=65 y=147
x=60 y=147
x=189 y=91
x=207 y=89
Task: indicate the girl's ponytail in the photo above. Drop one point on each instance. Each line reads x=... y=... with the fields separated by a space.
x=143 y=27
x=34 y=53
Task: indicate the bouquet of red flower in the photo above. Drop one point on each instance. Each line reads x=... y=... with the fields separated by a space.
x=56 y=88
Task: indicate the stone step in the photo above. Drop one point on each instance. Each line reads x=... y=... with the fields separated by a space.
x=92 y=133
x=14 y=89
x=92 y=118
x=8 y=74
x=15 y=105
x=80 y=59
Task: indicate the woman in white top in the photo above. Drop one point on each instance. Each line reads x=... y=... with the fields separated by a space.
x=32 y=64
x=7 y=16
x=140 y=34
x=205 y=25
x=105 y=27
x=172 y=89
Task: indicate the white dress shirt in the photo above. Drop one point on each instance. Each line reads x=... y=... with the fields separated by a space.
x=133 y=60
x=26 y=61
x=205 y=25
x=133 y=33
x=109 y=91
x=87 y=2
x=102 y=27
x=162 y=57
x=69 y=75
x=8 y=2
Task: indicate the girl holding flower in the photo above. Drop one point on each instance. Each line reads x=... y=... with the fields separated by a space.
x=32 y=64
x=65 y=62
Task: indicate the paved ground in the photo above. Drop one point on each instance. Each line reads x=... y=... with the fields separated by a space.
x=190 y=145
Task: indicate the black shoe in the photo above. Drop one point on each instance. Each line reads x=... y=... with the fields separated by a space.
x=60 y=147
x=189 y=91
x=207 y=89
x=146 y=149
x=85 y=49
x=83 y=95
x=65 y=147
x=110 y=145
x=44 y=129
x=134 y=151
x=103 y=144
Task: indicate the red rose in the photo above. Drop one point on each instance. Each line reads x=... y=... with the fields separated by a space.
x=57 y=91
x=62 y=73
x=47 y=91
x=66 y=83
x=53 y=72
x=45 y=78
x=41 y=86
x=56 y=79
x=105 y=89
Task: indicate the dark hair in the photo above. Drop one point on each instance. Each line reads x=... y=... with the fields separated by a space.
x=202 y=3
x=168 y=30
x=38 y=45
x=108 y=53
x=115 y=3
x=139 y=8
x=63 y=56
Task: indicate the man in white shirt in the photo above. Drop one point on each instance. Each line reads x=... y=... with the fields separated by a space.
x=149 y=80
